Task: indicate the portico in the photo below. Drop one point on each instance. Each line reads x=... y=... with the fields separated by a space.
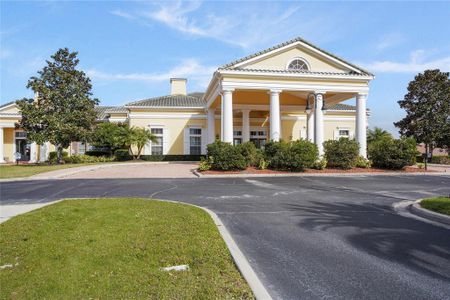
x=271 y=84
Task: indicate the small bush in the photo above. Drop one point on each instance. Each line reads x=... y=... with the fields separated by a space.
x=361 y=162
x=389 y=153
x=320 y=164
x=122 y=155
x=292 y=156
x=225 y=156
x=250 y=153
x=342 y=153
x=440 y=159
x=97 y=153
x=83 y=158
x=205 y=164
x=53 y=156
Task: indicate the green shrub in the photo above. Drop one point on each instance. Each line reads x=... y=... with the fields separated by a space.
x=53 y=156
x=362 y=162
x=225 y=156
x=97 y=153
x=342 y=153
x=292 y=156
x=250 y=153
x=83 y=158
x=172 y=157
x=320 y=164
x=205 y=164
x=440 y=159
x=122 y=155
x=389 y=153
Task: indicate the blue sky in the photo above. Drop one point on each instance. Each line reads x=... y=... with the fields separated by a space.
x=131 y=49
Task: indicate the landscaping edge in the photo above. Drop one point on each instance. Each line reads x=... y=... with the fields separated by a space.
x=412 y=209
x=258 y=289
x=417 y=209
x=300 y=174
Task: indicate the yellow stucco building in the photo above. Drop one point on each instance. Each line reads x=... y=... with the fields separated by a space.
x=290 y=91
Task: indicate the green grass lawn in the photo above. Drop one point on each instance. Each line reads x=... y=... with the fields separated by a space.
x=114 y=249
x=437 y=204
x=13 y=171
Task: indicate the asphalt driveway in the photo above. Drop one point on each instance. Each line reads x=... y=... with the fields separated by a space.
x=306 y=237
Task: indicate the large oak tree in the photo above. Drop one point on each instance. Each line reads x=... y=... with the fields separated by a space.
x=63 y=108
x=427 y=106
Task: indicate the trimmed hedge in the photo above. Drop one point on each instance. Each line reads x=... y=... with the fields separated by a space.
x=292 y=156
x=53 y=156
x=440 y=159
x=342 y=153
x=97 y=153
x=389 y=153
x=251 y=154
x=224 y=156
x=124 y=155
x=82 y=158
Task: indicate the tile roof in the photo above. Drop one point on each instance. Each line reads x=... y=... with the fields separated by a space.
x=101 y=111
x=342 y=107
x=7 y=103
x=190 y=100
x=299 y=72
x=230 y=65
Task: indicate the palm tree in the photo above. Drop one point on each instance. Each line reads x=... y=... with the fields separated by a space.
x=135 y=139
x=376 y=134
x=138 y=138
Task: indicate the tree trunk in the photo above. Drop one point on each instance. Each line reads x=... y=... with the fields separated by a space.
x=139 y=153
x=59 y=151
x=426 y=157
x=132 y=153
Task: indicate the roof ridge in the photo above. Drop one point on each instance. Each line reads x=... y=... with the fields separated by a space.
x=294 y=40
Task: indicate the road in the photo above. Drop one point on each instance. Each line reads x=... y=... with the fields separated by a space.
x=306 y=237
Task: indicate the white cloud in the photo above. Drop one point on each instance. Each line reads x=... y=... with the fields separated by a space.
x=256 y=25
x=123 y=14
x=389 y=40
x=189 y=68
x=418 y=62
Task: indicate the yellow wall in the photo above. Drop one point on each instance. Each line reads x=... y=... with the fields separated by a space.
x=280 y=60
x=8 y=140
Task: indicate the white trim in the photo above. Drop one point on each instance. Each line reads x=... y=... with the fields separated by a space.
x=168 y=116
x=294 y=45
x=165 y=107
x=7 y=106
x=296 y=86
x=8 y=115
x=288 y=75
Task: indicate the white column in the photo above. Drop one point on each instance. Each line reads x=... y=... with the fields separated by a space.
x=2 y=154
x=361 y=124
x=275 y=117
x=33 y=152
x=310 y=126
x=318 y=122
x=211 y=125
x=245 y=126
x=227 y=116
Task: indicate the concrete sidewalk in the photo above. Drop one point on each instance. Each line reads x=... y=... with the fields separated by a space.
x=9 y=211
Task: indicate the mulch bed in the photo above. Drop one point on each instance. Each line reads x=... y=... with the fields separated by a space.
x=252 y=170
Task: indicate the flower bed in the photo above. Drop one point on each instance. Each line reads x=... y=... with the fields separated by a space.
x=252 y=170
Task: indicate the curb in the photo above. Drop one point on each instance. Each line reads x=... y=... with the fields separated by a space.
x=258 y=289
x=75 y=170
x=200 y=175
x=412 y=209
x=417 y=209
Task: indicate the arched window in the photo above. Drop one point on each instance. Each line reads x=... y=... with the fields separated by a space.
x=298 y=64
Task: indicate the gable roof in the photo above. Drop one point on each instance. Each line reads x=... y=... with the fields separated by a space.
x=231 y=65
x=194 y=100
x=7 y=104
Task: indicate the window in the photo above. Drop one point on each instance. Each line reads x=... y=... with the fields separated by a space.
x=157 y=148
x=195 y=141
x=237 y=137
x=258 y=138
x=81 y=148
x=344 y=133
x=298 y=64
x=21 y=134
